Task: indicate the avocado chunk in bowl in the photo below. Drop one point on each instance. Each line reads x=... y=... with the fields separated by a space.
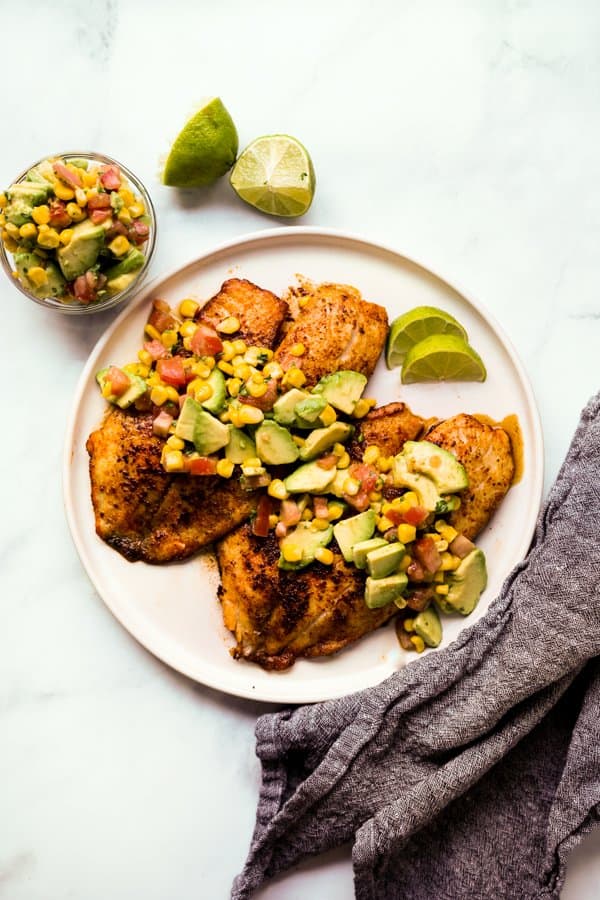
x=78 y=232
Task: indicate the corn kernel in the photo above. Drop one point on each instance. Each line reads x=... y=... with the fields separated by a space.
x=136 y=210
x=251 y=355
x=37 y=276
x=188 y=328
x=173 y=461
x=277 y=489
x=63 y=192
x=417 y=642
x=80 y=197
x=328 y=416
x=75 y=212
x=229 y=325
x=227 y=353
x=28 y=230
x=302 y=301
x=90 y=177
x=385 y=463
x=449 y=562
x=334 y=511
x=442 y=545
x=320 y=524
x=374 y=496
x=203 y=392
x=172 y=394
x=124 y=217
x=48 y=238
x=225 y=416
x=169 y=338
x=361 y=409
x=158 y=395
x=409 y=624
x=65 y=236
x=265 y=353
x=225 y=367
x=242 y=370
x=296 y=378
x=351 y=487
x=119 y=245
x=256 y=390
x=273 y=519
x=225 y=468
x=343 y=461
x=152 y=332
x=406 y=533
x=3 y=201
x=298 y=349
x=250 y=415
x=442 y=589
x=239 y=346
x=447 y=531
x=253 y=462
x=324 y=555
x=137 y=369
x=383 y=523
x=188 y=308
x=13 y=230
x=2 y=220
x=299 y=441
x=126 y=196
x=410 y=498
x=272 y=370
x=307 y=514
x=233 y=386
x=371 y=454
x=291 y=552
x=41 y=214
x=175 y=443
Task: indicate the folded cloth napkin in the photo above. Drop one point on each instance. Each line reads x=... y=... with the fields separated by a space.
x=475 y=770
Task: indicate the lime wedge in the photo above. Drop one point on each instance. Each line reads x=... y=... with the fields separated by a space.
x=415 y=325
x=275 y=174
x=204 y=149
x=442 y=357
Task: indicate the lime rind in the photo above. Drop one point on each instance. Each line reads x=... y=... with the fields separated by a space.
x=442 y=357
x=275 y=175
x=204 y=150
x=414 y=326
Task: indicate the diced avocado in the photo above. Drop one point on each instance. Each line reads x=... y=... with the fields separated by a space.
x=438 y=464
x=55 y=283
x=240 y=446
x=447 y=505
x=383 y=561
x=381 y=591
x=310 y=408
x=336 y=487
x=83 y=249
x=274 y=444
x=137 y=388
x=133 y=261
x=428 y=626
x=309 y=539
x=116 y=285
x=342 y=389
x=349 y=532
x=466 y=583
x=36 y=176
x=32 y=192
x=360 y=550
x=18 y=212
x=311 y=477
x=321 y=439
x=186 y=422
x=421 y=484
x=79 y=162
x=216 y=401
x=284 y=408
x=43 y=171
x=210 y=434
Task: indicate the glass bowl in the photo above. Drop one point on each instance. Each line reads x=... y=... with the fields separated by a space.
x=72 y=306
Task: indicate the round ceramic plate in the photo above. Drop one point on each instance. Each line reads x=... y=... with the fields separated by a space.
x=173 y=610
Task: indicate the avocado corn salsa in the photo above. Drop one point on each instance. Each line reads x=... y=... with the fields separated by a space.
x=225 y=408
x=76 y=230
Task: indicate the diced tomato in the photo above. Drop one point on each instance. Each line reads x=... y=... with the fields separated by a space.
x=205 y=341
x=119 y=380
x=162 y=423
x=138 y=232
x=416 y=515
x=204 y=465
x=415 y=571
x=289 y=513
x=161 y=319
x=83 y=290
x=155 y=349
x=59 y=217
x=367 y=476
x=99 y=201
x=328 y=462
x=260 y=525
x=111 y=178
x=70 y=178
x=171 y=371
x=266 y=402
x=395 y=516
x=320 y=507
x=100 y=215
x=115 y=229
x=426 y=553
x=359 y=501
x=420 y=598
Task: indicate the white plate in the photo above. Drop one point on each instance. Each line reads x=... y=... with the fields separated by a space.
x=173 y=610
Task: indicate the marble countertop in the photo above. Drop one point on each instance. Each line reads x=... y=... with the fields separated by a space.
x=463 y=134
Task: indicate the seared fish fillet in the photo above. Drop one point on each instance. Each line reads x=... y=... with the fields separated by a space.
x=339 y=330
x=278 y=616
x=486 y=454
x=387 y=426
x=260 y=312
x=145 y=513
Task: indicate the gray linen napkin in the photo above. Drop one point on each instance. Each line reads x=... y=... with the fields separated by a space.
x=474 y=771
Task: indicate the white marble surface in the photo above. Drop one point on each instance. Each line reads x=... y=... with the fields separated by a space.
x=463 y=133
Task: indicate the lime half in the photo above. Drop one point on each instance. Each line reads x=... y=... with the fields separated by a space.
x=275 y=174
x=442 y=357
x=204 y=149
x=415 y=325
